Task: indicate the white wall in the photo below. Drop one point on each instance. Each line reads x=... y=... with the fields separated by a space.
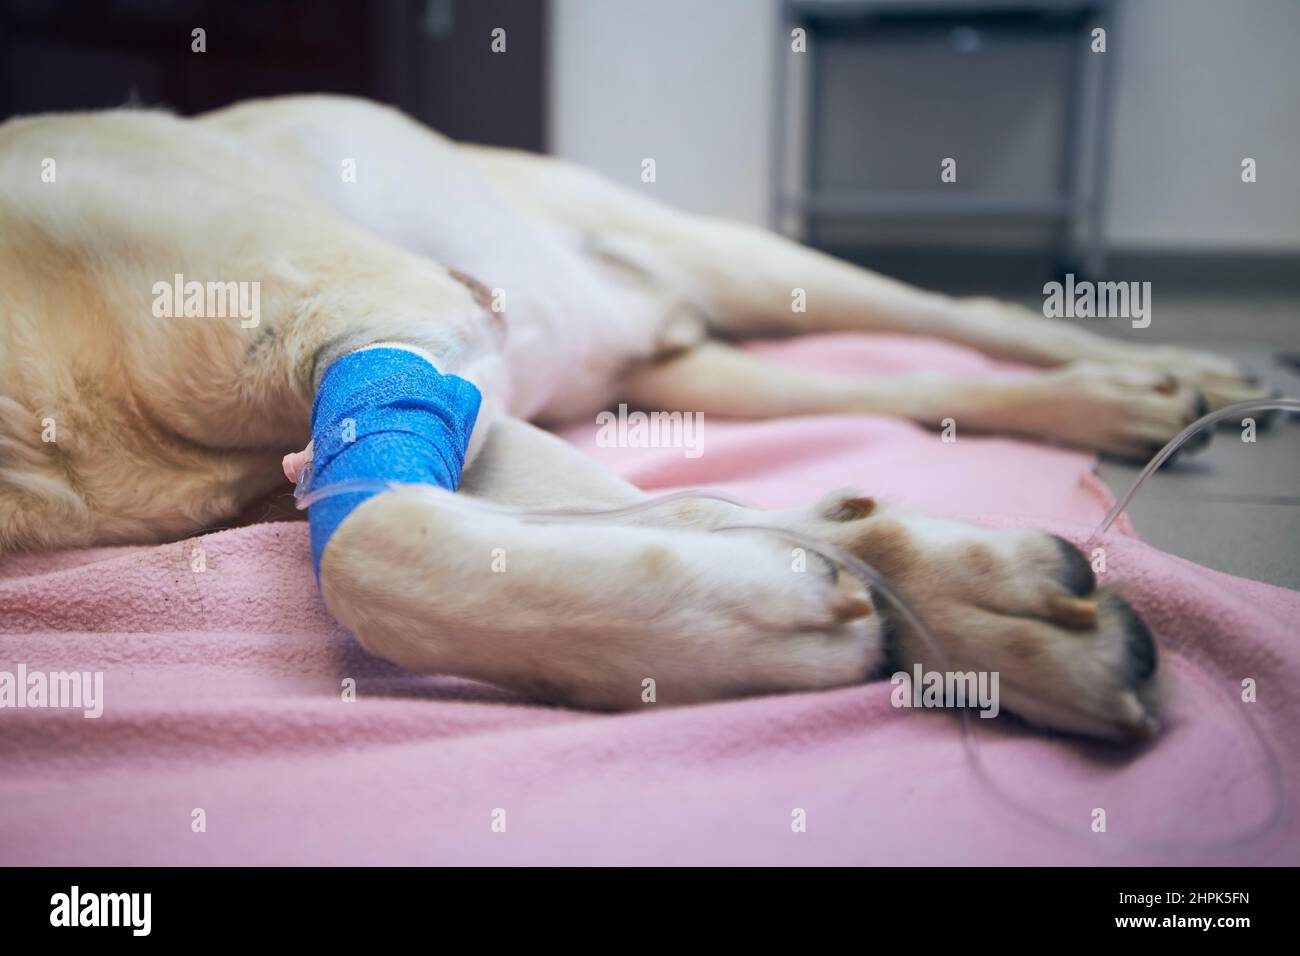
x=1201 y=84
x=685 y=82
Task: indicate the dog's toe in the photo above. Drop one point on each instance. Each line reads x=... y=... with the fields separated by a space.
x=1139 y=646
x=1076 y=573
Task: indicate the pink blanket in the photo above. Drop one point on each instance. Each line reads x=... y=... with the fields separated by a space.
x=225 y=737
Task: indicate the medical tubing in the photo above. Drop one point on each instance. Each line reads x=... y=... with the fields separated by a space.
x=871 y=578
x=1205 y=421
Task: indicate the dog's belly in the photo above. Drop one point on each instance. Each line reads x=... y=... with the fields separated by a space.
x=570 y=327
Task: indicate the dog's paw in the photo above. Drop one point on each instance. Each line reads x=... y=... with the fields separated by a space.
x=1022 y=603
x=1131 y=411
x=1219 y=380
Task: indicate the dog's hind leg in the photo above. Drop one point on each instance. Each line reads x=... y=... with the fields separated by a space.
x=751 y=282
x=1123 y=410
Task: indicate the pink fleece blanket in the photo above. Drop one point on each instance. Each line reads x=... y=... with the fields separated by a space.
x=223 y=704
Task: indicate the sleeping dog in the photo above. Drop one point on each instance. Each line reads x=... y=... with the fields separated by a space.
x=498 y=288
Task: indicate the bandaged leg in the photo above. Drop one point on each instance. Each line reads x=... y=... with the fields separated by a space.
x=383 y=413
x=618 y=615
x=578 y=613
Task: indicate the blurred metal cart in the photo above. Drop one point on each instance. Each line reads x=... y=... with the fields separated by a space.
x=810 y=198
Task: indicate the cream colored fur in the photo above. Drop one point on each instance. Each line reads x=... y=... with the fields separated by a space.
x=166 y=426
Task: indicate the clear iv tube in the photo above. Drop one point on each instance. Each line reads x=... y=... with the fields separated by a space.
x=872 y=578
x=1177 y=442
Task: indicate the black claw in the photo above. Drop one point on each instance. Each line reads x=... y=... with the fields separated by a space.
x=891 y=660
x=1077 y=577
x=1137 y=639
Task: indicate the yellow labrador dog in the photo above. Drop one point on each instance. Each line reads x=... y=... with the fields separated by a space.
x=556 y=294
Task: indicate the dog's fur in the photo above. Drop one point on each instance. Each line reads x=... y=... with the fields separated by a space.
x=166 y=426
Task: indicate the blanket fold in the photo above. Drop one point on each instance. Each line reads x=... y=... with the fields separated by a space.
x=228 y=689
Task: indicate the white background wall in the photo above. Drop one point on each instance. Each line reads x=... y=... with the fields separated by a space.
x=687 y=82
x=1201 y=84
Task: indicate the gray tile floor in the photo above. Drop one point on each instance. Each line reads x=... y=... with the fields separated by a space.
x=1235 y=506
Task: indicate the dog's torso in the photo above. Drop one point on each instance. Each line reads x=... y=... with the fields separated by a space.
x=282 y=194
x=135 y=410
x=578 y=303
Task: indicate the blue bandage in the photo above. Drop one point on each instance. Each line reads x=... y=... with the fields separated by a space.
x=388 y=415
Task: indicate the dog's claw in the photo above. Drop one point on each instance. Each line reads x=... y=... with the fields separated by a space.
x=1077 y=577
x=852 y=600
x=1076 y=614
x=1136 y=718
x=1137 y=639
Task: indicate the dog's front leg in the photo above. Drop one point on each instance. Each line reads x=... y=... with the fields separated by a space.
x=653 y=606
x=579 y=613
x=608 y=616
x=617 y=616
